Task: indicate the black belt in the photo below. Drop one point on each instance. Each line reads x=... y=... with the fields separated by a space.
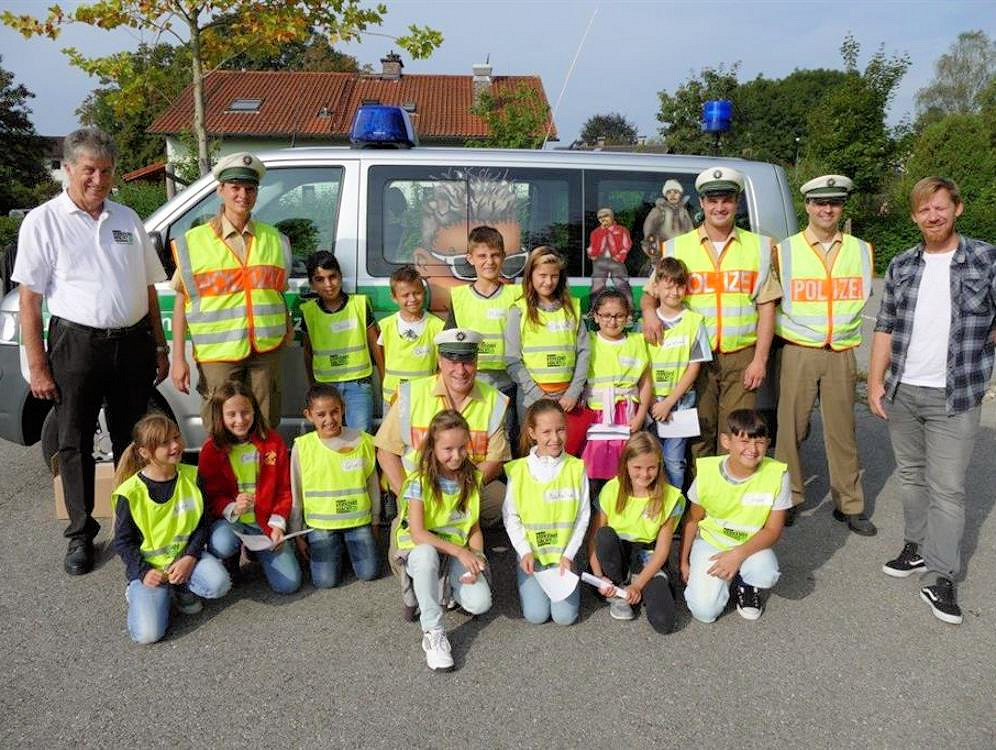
x=825 y=347
x=107 y=333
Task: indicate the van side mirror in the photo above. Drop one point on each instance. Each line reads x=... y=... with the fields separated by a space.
x=164 y=255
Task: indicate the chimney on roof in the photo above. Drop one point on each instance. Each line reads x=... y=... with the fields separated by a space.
x=482 y=79
x=392 y=65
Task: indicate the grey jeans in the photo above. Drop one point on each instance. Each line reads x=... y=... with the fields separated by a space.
x=932 y=450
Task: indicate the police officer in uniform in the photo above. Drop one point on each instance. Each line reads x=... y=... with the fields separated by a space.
x=826 y=277
x=733 y=285
x=236 y=334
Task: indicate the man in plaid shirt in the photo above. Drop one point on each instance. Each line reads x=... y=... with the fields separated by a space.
x=932 y=357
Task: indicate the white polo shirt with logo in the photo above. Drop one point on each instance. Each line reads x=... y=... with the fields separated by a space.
x=95 y=272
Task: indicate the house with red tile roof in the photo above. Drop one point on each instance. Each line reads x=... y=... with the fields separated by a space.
x=252 y=110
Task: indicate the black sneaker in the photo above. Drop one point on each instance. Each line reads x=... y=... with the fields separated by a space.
x=791 y=515
x=748 y=599
x=908 y=562
x=941 y=598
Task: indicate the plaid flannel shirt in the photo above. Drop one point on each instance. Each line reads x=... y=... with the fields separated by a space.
x=973 y=312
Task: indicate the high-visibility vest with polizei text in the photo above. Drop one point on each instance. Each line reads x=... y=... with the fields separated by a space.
x=670 y=358
x=735 y=512
x=633 y=524
x=487 y=317
x=244 y=460
x=407 y=358
x=549 y=510
x=441 y=513
x=339 y=349
x=549 y=349
x=334 y=483
x=617 y=365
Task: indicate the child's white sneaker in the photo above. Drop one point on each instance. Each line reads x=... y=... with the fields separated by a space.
x=187 y=602
x=748 y=600
x=620 y=609
x=437 y=650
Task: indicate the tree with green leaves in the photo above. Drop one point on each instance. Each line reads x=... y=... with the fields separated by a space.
x=516 y=119
x=961 y=77
x=313 y=55
x=612 y=129
x=218 y=30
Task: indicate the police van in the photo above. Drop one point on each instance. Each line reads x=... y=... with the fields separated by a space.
x=379 y=208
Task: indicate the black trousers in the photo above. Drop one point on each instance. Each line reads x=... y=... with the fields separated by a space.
x=618 y=559
x=90 y=368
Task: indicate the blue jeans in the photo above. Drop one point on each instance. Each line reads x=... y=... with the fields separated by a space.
x=536 y=605
x=674 y=449
x=280 y=568
x=325 y=548
x=423 y=567
x=148 y=606
x=358 y=397
x=707 y=595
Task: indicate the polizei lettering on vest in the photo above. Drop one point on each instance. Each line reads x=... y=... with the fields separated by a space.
x=725 y=282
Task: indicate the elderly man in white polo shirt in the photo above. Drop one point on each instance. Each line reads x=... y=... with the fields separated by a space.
x=94 y=265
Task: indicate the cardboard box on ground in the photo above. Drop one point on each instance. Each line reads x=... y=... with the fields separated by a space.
x=103 y=487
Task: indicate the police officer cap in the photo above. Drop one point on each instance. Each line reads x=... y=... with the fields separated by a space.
x=828 y=186
x=240 y=167
x=719 y=181
x=459 y=344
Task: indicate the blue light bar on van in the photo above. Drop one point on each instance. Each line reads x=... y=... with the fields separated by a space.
x=717 y=115
x=380 y=126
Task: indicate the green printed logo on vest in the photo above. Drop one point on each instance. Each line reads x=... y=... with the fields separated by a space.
x=664 y=377
x=556 y=360
x=347 y=505
x=740 y=536
x=546 y=538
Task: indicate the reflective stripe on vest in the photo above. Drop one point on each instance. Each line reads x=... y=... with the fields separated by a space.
x=244 y=460
x=723 y=294
x=407 y=359
x=549 y=350
x=633 y=524
x=616 y=367
x=166 y=527
x=549 y=510
x=233 y=308
x=333 y=483
x=487 y=317
x=339 y=349
x=417 y=406
x=735 y=512
x=441 y=514
x=822 y=306
x=669 y=359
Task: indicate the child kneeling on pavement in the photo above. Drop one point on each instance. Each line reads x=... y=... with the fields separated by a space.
x=737 y=511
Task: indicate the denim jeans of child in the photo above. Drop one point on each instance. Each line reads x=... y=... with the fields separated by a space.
x=325 y=547
x=706 y=595
x=675 y=449
x=536 y=605
x=423 y=567
x=280 y=568
x=358 y=397
x=148 y=606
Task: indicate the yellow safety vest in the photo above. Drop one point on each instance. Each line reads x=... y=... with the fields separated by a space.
x=549 y=350
x=618 y=365
x=549 y=510
x=166 y=527
x=723 y=293
x=670 y=358
x=407 y=359
x=633 y=524
x=735 y=512
x=334 y=484
x=339 y=349
x=440 y=514
x=487 y=317
x=417 y=406
x=244 y=460
x=233 y=308
x=822 y=306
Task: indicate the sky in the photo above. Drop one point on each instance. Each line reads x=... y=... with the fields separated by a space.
x=633 y=49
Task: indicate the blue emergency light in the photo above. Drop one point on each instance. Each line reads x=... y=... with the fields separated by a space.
x=717 y=115
x=381 y=126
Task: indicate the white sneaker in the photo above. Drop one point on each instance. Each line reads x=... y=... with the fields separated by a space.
x=437 y=650
x=620 y=609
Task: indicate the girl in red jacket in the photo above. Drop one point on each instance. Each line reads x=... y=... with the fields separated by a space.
x=246 y=475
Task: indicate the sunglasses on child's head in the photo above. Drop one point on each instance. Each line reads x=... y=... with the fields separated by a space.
x=511 y=267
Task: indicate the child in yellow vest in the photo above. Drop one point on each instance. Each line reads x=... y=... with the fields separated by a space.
x=619 y=388
x=483 y=305
x=635 y=519
x=340 y=339
x=546 y=511
x=676 y=361
x=407 y=337
x=738 y=505
x=439 y=536
x=546 y=343
x=335 y=490
x=160 y=529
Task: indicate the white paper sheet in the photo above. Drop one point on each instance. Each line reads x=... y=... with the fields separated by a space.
x=557 y=587
x=683 y=423
x=608 y=432
x=261 y=542
x=593 y=580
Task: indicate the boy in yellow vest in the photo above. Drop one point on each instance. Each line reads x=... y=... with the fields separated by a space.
x=407 y=337
x=737 y=511
x=827 y=278
x=340 y=339
x=483 y=306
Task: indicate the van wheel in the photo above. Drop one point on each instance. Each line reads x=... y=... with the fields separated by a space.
x=102 y=448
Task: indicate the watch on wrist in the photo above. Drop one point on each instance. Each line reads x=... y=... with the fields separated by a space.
x=162 y=349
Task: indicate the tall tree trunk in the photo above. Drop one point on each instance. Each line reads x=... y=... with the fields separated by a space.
x=197 y=78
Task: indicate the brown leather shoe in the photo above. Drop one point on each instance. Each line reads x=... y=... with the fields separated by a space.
x=856 y=522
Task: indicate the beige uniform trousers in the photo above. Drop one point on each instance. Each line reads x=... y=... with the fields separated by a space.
x=720 y=390
x=260 y=372
x=808 y=374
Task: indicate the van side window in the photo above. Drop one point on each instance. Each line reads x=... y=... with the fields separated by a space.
x=302 y=202
x=422 y=215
